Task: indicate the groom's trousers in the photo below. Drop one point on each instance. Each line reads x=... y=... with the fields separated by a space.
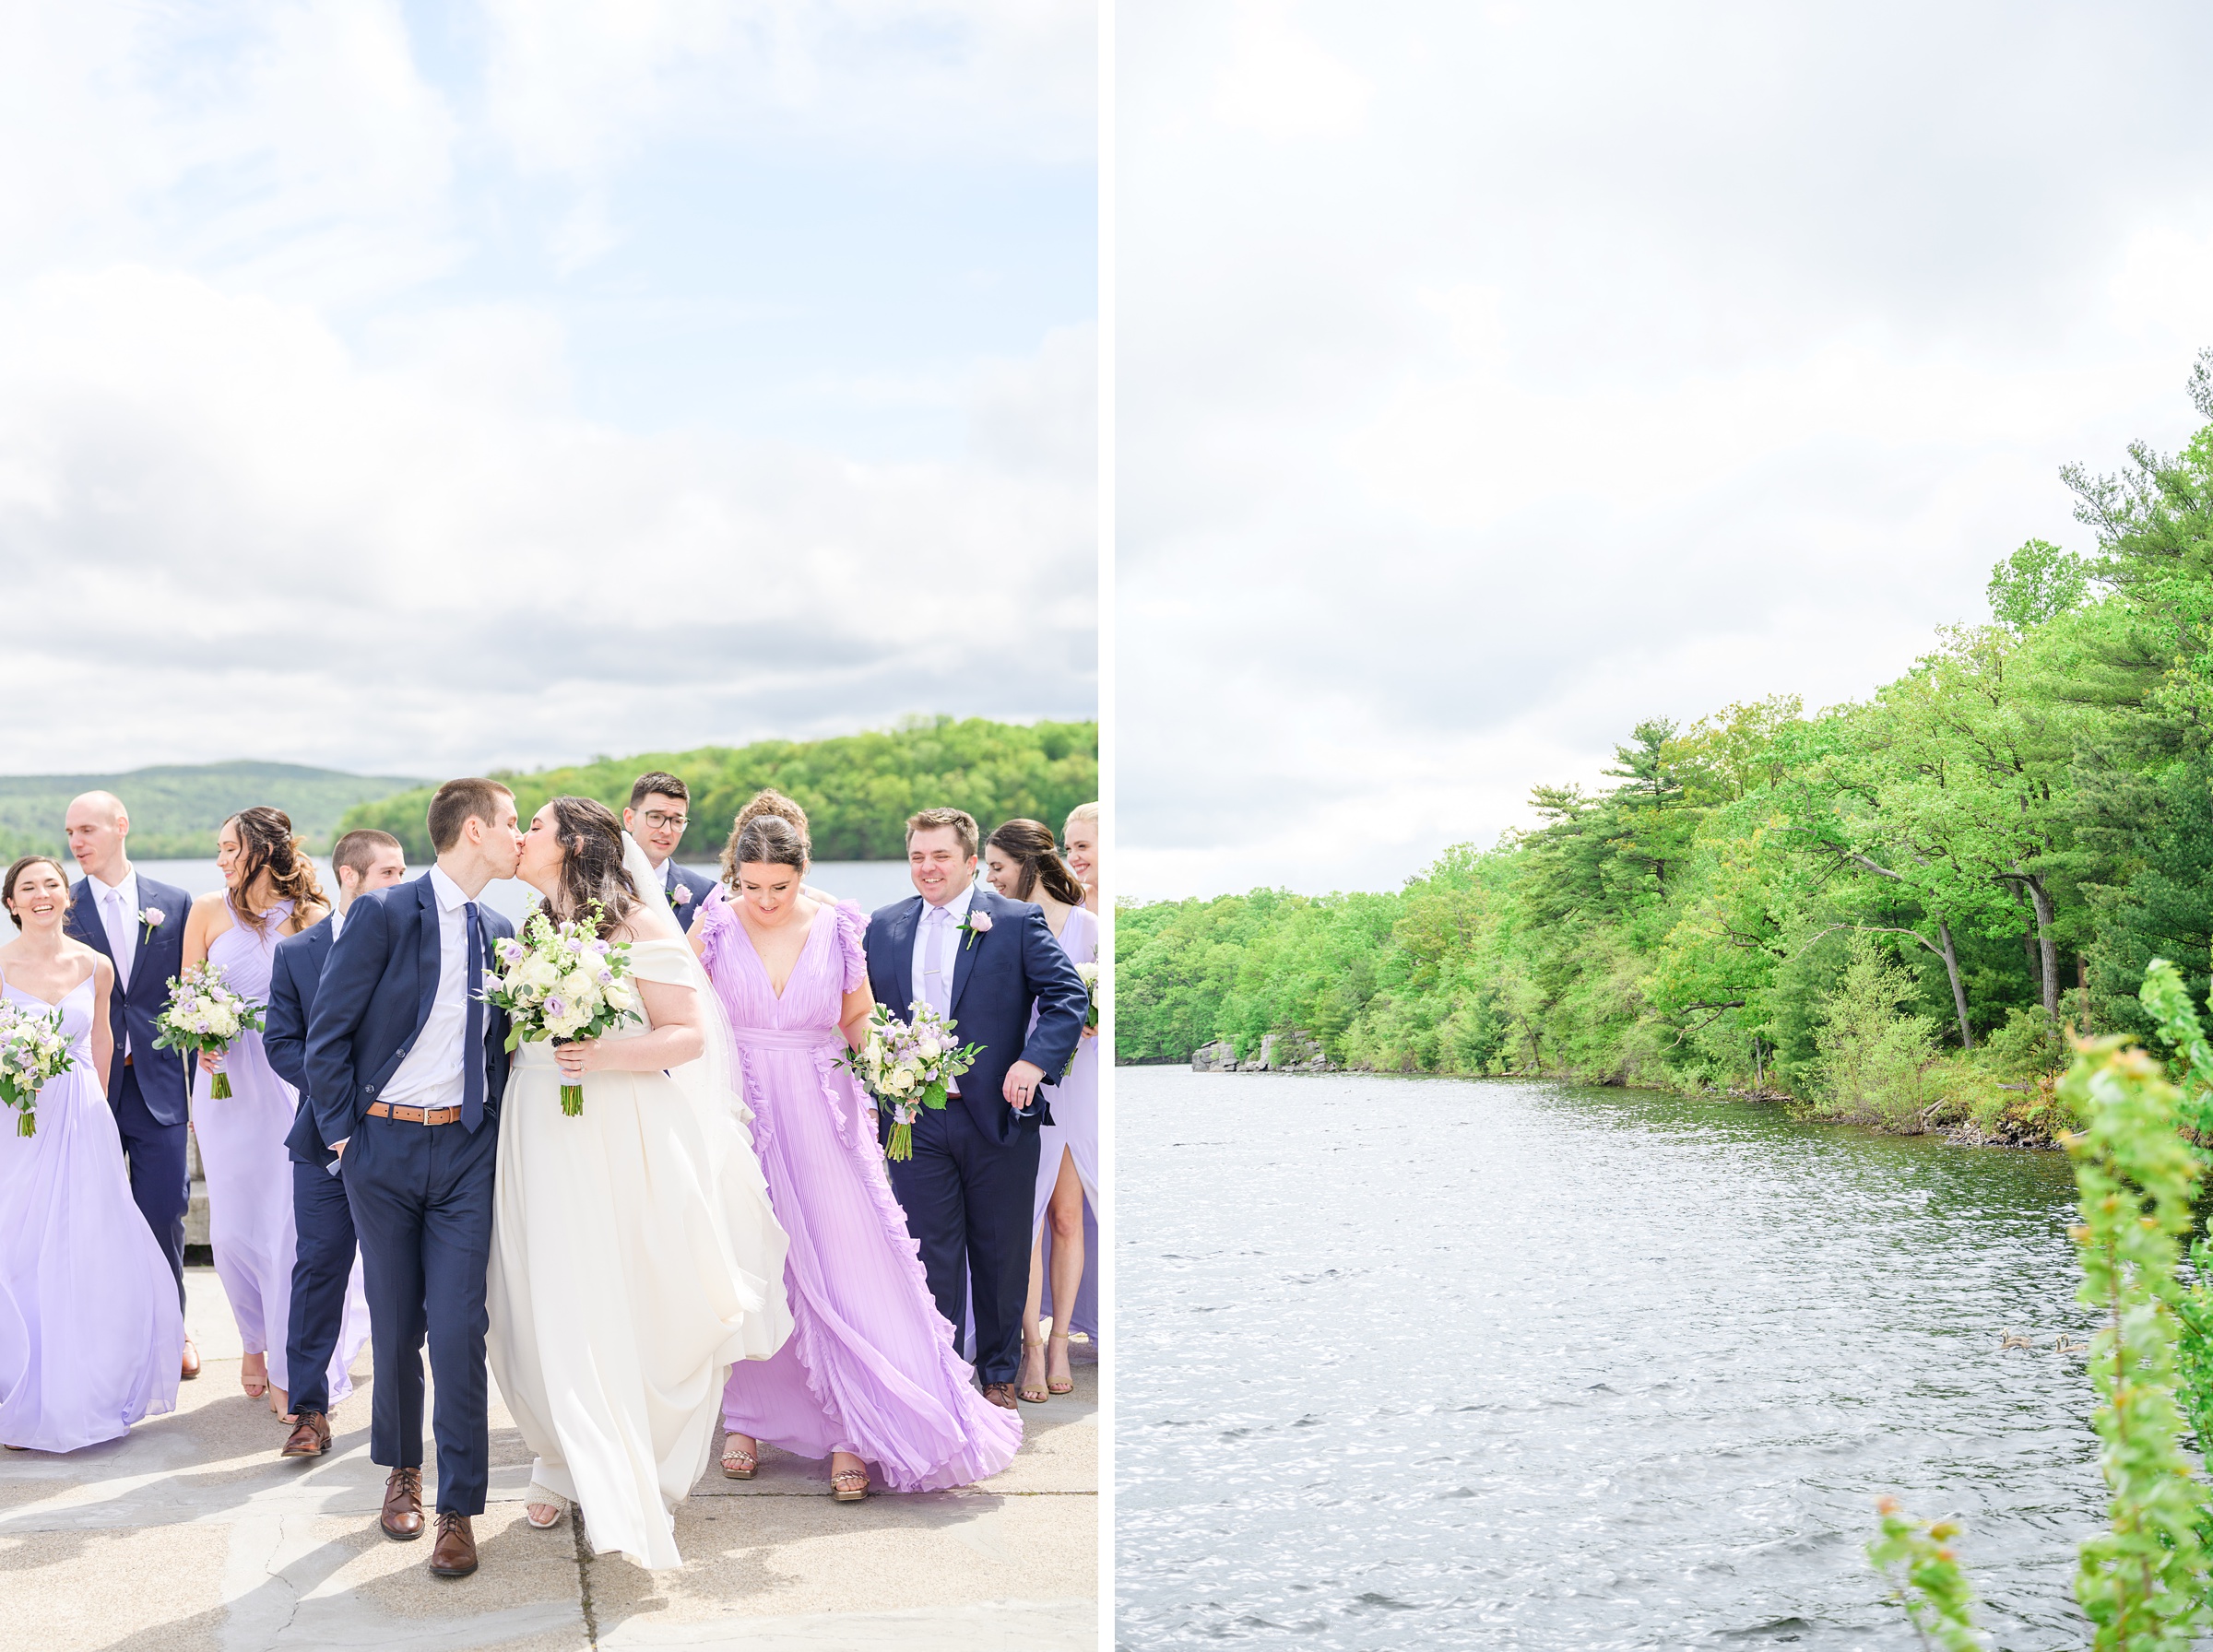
x=968 y=1201
x=160 y=1183
x=421 y=1201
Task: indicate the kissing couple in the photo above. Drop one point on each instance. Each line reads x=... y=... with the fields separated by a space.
x=617 y=1262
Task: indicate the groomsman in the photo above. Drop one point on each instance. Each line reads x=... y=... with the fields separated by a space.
x=405 y=1064
x=660 y=808
x=323 y=1262
x=139 y=925
x=983 y=962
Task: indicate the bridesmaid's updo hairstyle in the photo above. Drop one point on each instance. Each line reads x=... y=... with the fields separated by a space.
x=8 y=889
x=591 y=863
x=265 y=843
x=1029 y=845
x=770 y=831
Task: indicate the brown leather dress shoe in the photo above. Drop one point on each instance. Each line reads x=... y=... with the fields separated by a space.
x=402 y=1519
x=1000 y=1395
x=456 y=1553
x=312 y=1438
x=191 y=1367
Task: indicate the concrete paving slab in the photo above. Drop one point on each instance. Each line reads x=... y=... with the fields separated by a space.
x=192 y=1533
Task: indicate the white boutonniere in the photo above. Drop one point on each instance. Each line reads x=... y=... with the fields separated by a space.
x=976 y=922
x=152 y=918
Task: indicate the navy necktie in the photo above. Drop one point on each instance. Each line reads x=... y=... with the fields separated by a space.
x=472 y=1029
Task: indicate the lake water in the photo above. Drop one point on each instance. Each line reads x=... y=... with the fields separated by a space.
x=872 y=883
x=1415 y=1363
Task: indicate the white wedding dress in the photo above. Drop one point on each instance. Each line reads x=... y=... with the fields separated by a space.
x=634 y=1257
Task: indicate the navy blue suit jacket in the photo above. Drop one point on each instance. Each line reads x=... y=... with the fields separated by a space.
x=164 y=1076
x=294 y=971
x=998 y=976
x=375 y=993
x=700 y=887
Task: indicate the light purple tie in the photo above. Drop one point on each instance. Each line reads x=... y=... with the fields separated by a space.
x=937 y=978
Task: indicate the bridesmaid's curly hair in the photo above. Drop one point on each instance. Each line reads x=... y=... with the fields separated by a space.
x=1030 y=844
x=266 y=842
x=770 y=831
x=591 y=864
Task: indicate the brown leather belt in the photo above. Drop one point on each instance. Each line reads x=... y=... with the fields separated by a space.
x=415 y=1115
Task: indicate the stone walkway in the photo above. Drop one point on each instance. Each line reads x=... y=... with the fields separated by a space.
x=191 y=1533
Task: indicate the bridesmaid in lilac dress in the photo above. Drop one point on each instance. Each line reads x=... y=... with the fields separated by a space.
x=271 y=892
x=1022 y=863
x=90 y=1334
x=870 y=1375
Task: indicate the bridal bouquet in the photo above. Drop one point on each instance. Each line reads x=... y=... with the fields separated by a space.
x=561 y=982
x=1090 y=972
x=32 y=1050
x=907 y=1066
x=205 y=1015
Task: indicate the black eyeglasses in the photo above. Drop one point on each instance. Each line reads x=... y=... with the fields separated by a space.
x=659 y=822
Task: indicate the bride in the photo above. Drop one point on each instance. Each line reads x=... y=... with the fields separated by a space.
x=635 y=1256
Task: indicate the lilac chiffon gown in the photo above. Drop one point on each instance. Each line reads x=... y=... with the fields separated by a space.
x=871 y=1367
x=90 y=1335
x=1074 y=1133
x=250 y=1172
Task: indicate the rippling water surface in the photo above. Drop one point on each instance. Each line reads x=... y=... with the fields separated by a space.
x=1413 y=1362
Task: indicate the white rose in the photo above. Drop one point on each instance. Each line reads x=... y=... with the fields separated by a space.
x=901 y=1082
x=539 y=974
x=618 y=996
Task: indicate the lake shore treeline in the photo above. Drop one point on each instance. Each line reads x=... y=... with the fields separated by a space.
x=858 y=789
x=1888 y=910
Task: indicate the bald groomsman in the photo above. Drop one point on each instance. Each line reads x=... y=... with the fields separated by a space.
x=139 y=925
x=660 y=808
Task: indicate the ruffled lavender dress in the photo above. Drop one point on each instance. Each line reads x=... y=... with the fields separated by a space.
x=90 y=1334
x=870 y=1366
x=1074 y=1133
x=250 y=1172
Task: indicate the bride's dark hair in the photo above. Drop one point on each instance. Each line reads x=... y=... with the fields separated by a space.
x=591 y=865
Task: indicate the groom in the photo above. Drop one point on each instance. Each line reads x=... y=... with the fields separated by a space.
x=982 y=962
x=405 y=1067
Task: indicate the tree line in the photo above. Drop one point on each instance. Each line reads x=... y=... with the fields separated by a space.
x=858 y=789
x=1891 y=908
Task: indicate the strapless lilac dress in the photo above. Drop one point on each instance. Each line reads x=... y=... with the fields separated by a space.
x=90 y=1334
x=870 y=1366
x=250 y=1172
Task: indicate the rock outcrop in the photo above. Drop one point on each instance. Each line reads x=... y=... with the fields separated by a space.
x=1219 y=1057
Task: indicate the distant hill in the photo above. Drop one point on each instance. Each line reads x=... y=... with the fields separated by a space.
x=176 y=809
x=858 y=789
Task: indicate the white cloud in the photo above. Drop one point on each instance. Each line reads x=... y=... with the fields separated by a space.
x=1621 y=362
x=1280 y=85
x=246 y=540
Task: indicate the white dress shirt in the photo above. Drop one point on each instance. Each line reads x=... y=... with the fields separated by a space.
x=430 y=1075
x=118 y=906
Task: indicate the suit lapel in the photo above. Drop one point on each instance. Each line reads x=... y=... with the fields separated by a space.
x=963 y=948
x=84 y=914
x=427 y=959
x=901 y=935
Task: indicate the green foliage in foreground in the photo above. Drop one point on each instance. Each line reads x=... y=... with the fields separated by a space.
x=858 y=789
x=1889 y=911
x=177 y=810
x=2140 y=1160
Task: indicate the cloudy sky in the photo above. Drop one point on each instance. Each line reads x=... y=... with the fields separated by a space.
x=416 y=387
x=1493 y=377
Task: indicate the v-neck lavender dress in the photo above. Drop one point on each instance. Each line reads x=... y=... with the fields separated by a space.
x=870 y=1366
x=250 y=1172
x=90 y=1334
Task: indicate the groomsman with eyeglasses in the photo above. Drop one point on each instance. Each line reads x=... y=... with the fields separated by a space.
x=660 y=808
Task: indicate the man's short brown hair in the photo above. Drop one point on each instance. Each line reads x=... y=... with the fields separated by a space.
x=360 y=849
x=960 y=820
x=459 y=802
x=668 y=786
